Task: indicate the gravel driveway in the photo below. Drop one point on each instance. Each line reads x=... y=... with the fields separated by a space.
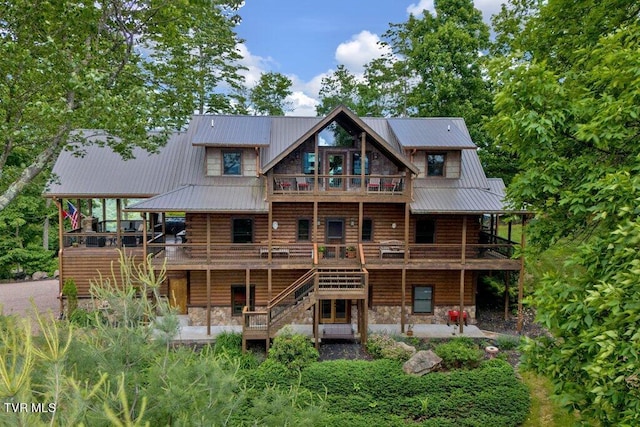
x=15 y=298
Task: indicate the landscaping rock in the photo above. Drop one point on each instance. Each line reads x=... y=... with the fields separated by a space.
x=406 y=347
x=422 y=363
x=39 y=275
x=56 y=274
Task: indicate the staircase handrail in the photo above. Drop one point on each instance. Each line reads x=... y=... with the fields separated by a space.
x=291 y=289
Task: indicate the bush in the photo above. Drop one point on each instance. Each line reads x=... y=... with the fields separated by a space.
x=460 y=353
x=294 y=351
x=382 y=346
x=228 y=342
x=70 y=290
x=507 y=342
x=84 y=318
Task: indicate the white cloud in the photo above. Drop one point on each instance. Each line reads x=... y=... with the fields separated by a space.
x=416 y=9
x=256 y=65
x=362 y=48
x=303 y=104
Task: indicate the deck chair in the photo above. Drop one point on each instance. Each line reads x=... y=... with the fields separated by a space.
x=374 y=184
x=301 y=183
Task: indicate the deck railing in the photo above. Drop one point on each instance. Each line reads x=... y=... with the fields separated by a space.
x=307 y=184
x=382 y=252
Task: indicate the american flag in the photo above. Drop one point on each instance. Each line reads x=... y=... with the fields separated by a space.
x=73 y=214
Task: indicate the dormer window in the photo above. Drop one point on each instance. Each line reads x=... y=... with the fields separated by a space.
x=232 y=162
x=436 y=164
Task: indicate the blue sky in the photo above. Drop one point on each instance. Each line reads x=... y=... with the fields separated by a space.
x=307 y=40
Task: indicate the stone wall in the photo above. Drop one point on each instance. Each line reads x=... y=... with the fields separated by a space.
x=378 y=315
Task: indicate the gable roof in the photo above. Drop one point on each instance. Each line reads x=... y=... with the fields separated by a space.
x=344 y=117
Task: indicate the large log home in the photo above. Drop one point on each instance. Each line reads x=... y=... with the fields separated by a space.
x=336 y=220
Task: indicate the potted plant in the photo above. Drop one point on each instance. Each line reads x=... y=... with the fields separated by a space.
x=321 y=251
x=410 y=330
x=351 y=251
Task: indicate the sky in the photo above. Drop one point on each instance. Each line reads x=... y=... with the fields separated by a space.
x=306 y=40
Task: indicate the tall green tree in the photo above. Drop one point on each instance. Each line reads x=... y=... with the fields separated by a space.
x=122 y=66
x=338 y=88
x=568 y=109
x=269 y=95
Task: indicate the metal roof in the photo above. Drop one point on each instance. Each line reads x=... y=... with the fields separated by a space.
x=245 y=196
x=284 y=132
x=100 y=172
x=457 y=200
x=231 y=131
x=432 y=132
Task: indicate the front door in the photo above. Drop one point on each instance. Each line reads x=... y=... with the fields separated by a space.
x=335 y=311
x=335 y=238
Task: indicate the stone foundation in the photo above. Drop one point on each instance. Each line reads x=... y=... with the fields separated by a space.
x=378 y=315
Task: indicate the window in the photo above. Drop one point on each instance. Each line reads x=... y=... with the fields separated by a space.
x=423 y=299
x=435 y=164
x=239 y=298
x=355 y=164
x=242 y=230
x=367 y=230
x=304 y=230
x=425 y=231
x=308 y=163
x=232 y=162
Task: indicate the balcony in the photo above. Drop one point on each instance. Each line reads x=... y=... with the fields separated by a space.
x=372 y=185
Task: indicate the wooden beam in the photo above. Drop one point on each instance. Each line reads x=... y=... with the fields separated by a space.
x=523 y=242
x=463 y=258
x=209 y=302
x=247 y=287
x=403 y=299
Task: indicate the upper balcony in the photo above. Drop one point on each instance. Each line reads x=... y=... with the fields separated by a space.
x=372 y=186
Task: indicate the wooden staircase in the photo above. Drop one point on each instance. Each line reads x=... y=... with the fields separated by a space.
x=316 y=284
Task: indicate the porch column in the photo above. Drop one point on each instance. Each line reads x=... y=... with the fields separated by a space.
x=360 y=219
x=60 y=251
x=363 y=163
x=144 y=234
x=523 y=242
x=316 y=167
x=403 y=298
x=463 y=260
x=269 y=231
x=507 y=279
x=208 y=301
x=247 y=286
x=208 y=238
x=365 y=309
x=315 y=222
x=118 y=222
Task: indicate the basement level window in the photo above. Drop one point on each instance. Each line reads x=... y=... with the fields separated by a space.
x=423 y=299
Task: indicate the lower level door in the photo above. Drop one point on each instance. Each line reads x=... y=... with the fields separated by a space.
x=178 y=294
x=335 y=311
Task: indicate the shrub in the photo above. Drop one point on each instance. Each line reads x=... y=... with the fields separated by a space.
x=295 y=351
x=84 y=318
x=70 y=290
x=460 y=353
x=507 y=342
x=229 y=342
x=382 y=346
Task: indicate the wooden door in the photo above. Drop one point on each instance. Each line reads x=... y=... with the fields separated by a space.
x=335 y=311
x=178 y=294
x=335 y=238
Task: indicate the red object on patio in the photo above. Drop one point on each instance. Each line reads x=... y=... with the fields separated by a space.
x=453 y=316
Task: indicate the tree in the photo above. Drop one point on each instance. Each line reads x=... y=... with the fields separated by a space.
x=568 y=109
x=268 y=96
x=338 y=88
x=121 y=66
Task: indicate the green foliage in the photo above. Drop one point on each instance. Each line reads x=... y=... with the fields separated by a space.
x=379 y=392
x=569 y=109
x=295 y=351
x=459 y=353
x=508 y=342
x=384 y=346
x=70 y=290
x=268 y=96
x=147 y=67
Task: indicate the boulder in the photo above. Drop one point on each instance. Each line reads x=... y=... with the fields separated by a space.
x=406 y=347
x=39 y=275
x=56 y=274
x=422 y=363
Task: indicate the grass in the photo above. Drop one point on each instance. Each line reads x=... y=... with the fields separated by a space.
x=516 y=231
x=544 y=412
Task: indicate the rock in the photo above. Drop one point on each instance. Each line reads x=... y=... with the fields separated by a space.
x=406 y=347
x=39 y=275
x=56 y=274
x=422 y=363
